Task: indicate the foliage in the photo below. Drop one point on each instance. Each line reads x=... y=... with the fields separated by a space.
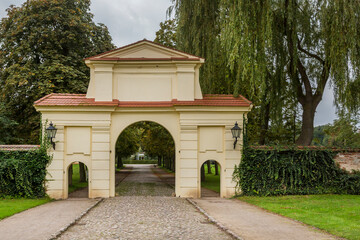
x=76 y=184
x=166 y=35
x=157 y=141
x=128 y=142
x=212 y=181
x=279 y=54
x=22 y=173
x=300 y=44
x=6 y=127
x=341 y=211
x=42 y=46
x=198 y=31
x=151 y=138
x=9 y=207
x=343 y=133
x=140 y=161
x=288 y=171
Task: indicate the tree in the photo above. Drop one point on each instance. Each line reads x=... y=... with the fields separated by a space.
x=42 y=46
x=128 y=143
x=157 y=142
x=343 y=133
x=199 y=32
x=6 y=127
x=166 y=35
x=311 y=42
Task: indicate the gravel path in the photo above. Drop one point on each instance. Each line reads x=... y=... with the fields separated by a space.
x=144 y=209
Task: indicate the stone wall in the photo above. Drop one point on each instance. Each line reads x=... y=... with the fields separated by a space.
x=349 y=160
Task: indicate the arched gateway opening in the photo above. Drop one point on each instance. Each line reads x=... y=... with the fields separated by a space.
x=210 y=172
x=143 y=81
x=144 y=156
x=77 y=180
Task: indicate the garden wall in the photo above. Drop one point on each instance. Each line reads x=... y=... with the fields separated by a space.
x=349 y=160
x=279 y=170
x=23 y=170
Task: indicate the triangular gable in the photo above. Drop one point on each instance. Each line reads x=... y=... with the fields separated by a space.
x=146 y=50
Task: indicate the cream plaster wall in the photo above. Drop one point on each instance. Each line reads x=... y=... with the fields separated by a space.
x=89 y=136
x=144 y=80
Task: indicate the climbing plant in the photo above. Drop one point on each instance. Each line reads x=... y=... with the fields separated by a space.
x=286 y=171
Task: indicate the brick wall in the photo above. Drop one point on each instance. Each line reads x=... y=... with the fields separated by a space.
x=349 y=160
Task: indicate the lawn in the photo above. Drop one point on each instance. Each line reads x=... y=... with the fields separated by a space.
x=212 y=181
x=336 y=214
x=9 y=207
x=76 y=184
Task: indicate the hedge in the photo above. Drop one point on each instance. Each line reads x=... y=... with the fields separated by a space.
x=22 y=173
x=272 y=171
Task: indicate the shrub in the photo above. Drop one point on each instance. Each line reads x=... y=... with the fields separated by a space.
x=279 y=171
x=22 y=173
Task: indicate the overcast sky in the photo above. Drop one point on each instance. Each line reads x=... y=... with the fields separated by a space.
x=133 y=20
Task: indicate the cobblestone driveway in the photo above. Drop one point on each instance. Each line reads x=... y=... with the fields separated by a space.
x=144 y=209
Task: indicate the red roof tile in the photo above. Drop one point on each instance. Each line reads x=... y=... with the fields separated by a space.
x=61 y=99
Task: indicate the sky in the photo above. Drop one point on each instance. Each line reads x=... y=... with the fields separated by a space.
x=129 y=21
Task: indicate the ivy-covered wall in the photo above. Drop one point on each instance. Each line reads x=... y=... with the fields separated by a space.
x=277 y=171
x=22 y=173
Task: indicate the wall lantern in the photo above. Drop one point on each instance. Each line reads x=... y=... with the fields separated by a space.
x=51 y=132
x=236 y=130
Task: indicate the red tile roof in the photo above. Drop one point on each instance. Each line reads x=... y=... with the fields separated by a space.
x=18 y=147
x=102 y=57
x=61 y=99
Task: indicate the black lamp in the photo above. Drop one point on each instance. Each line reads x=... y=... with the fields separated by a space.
x=51 y=133
x=236 y=130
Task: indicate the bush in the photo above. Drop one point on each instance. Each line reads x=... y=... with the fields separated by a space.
x=22 y=173
x=292 y=171
x=140 y=161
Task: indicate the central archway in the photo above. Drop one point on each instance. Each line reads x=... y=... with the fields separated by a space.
x=161 y=147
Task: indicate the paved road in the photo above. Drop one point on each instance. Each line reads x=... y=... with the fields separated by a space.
x=45 y=221
x=144 y=209
x=252 y=223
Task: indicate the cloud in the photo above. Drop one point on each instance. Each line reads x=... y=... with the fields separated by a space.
x=130 y=21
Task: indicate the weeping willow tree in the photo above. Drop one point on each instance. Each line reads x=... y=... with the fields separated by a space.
x=198 y=33
x=297 y=46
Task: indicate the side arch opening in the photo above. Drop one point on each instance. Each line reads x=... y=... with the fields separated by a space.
x=210 y=179
x=78 y=180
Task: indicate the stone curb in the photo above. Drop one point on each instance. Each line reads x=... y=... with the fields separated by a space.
x=61 y=231
x=213 y=220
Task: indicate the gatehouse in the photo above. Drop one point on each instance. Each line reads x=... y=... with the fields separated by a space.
x=143 y=81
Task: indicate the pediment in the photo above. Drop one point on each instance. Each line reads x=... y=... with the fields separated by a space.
x=145 y=50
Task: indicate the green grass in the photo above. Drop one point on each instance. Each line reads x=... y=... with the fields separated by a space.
x=212 y=181
x=336 y=214
x=76 y=184
x=9 y=207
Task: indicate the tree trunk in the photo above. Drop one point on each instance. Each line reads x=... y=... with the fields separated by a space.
x=216 y=168
x=307 y=127
x=82 y=172
x=70 y=174
x=159 y=161
x=202 y=173
x=119 y=162
x=208 y=163
x=264 y=123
